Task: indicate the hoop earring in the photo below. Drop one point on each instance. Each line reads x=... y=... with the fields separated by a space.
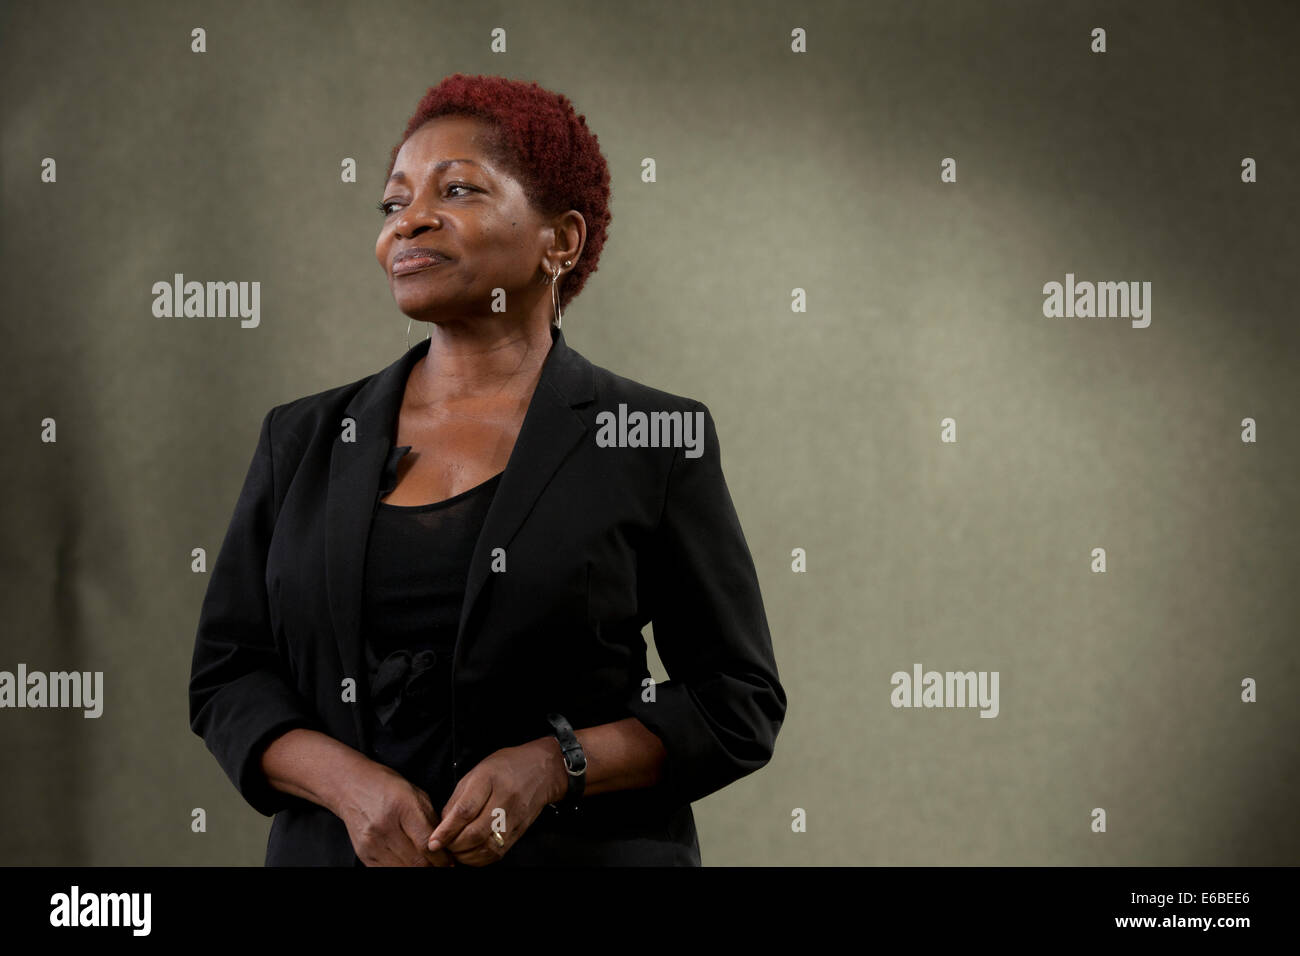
x=408 y=334
x=555 y=293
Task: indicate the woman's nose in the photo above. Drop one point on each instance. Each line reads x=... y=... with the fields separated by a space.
x=414 y=217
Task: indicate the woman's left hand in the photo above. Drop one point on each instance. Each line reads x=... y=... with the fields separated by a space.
x=505 y=792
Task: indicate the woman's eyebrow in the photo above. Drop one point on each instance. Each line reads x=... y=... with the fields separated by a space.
x=438 y=167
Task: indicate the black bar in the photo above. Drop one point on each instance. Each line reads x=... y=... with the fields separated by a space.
x=869 y=904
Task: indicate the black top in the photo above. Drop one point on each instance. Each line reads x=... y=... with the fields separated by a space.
x=417 y=563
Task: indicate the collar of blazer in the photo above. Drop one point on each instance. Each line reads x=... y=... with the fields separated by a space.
x=550 y=430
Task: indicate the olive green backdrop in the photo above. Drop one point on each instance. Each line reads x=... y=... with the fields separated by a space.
x=776 y=171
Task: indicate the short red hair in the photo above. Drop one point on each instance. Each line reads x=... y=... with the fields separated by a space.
x=542 y=141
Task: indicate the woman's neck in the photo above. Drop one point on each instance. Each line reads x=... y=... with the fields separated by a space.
x=479 y=359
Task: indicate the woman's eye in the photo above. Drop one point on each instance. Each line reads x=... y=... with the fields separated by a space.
x=383 y=207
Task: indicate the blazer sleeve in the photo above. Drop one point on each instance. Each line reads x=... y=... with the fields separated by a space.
x=719 y=712
x=239 y=697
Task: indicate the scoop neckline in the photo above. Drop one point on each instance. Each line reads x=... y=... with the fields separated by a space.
x=434 y=505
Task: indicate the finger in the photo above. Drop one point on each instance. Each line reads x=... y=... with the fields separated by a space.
x=476 y=834
x=381 y=856
x=405 y=853
x=461 y=810
x=421 y=829
x=417 y=831
x=435 y=857
x=477 y=844
x=479 y=857
x=482 y=834
x=427 y=809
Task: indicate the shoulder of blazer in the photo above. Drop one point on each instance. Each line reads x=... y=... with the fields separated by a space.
x=612 y=388
x=298 y=421
x=293 y=426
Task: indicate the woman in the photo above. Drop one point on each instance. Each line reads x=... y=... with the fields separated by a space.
x=421 y=643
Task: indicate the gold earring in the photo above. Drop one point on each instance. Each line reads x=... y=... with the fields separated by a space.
x=555 y=293
x=408 y=334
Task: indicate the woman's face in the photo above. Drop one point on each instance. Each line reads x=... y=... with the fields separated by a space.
x=447 y=197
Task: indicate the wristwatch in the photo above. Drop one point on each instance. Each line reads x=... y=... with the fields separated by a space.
x=575 y=761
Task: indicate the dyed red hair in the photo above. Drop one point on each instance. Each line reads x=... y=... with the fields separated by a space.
x=543 y=142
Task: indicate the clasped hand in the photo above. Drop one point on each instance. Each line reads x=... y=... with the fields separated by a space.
x=392 y=822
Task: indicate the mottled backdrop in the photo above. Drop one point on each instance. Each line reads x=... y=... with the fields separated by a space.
x=778 y=169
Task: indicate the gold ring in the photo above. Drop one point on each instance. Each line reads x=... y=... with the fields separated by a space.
x=500 y=842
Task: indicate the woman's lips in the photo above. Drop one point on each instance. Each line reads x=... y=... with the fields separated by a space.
x=416 y=264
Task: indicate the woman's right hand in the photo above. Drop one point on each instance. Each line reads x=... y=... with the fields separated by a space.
x=389 y=819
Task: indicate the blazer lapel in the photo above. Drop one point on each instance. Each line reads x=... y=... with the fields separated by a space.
x=549 y=432
x=352 y=497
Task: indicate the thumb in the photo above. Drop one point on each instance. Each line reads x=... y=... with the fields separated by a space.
x=460 y=810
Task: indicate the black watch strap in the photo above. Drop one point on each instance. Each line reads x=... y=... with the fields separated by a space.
x=575 y=761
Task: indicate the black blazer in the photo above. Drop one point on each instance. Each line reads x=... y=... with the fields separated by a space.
x=598 y=541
